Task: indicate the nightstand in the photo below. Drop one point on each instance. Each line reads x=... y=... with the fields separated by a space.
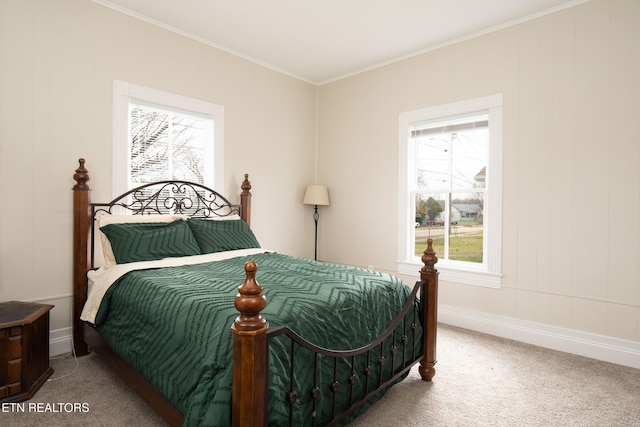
x=24 y=349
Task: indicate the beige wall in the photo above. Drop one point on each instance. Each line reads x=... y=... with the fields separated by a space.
x=571 y=190
x=58 y=61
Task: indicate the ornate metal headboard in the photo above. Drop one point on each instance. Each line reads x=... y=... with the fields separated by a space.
x=165 y=198
x=171 y=197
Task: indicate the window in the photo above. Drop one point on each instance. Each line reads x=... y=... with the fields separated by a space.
x=162 y=136
x=450 y=189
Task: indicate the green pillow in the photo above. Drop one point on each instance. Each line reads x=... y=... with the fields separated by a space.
x=222 y=235
x=148 y=241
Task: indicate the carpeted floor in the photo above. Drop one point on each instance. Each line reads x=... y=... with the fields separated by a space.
x=488 y=381
x=481 y=381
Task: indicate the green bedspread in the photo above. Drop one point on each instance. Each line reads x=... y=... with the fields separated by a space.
x=173 y=324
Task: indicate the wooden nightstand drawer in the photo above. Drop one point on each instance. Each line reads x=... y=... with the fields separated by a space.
x=15 y=346
x=24 y=349
x=14 y=371
x=14 y=388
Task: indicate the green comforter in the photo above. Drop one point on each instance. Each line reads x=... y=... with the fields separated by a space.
x=173 y=324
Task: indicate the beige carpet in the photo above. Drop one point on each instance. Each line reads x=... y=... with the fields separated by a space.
x=481 y=381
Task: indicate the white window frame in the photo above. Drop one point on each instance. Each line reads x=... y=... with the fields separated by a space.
x=123 y=92
x=488 y=273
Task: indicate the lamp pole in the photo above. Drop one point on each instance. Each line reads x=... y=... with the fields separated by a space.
x=316 y=216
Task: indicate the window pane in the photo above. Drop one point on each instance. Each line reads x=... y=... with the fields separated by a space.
x=466 y=227
x=429 y=222
x=451 y=156
x=188 y=148
x=434 y=162
x=469 y=152
x=166 y=145
x=149 y=149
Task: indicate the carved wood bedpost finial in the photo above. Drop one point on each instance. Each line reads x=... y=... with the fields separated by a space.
x=429 y=298
x=245 y=199
x=81 y=226
x=250 y=301
x=249 y=353
x=81 y=176
x=246 y=185
x=429 y=259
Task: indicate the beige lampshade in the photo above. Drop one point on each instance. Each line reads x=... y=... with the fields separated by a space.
x=316 y=195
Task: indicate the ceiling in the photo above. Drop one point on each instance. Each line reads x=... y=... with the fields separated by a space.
x=324 y=40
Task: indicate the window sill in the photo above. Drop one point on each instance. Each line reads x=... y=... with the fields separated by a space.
x=455 y=274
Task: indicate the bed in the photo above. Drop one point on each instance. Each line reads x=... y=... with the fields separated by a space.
x=174 y=292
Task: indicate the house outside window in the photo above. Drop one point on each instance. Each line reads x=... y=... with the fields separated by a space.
x=450 y=185
x=163 y=136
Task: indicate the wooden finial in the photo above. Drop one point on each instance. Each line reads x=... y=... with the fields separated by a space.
x=429 y=258
x=250 y=301
x=81 y=176
x=245 y=199
x=246 y=185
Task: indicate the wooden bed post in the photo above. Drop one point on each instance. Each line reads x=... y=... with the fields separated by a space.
x=81 y=222
x=245 y=200
x=249 y=354
x=430 y=311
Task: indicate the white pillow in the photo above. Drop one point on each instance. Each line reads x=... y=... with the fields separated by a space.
x=224 y=218
x=109 y=258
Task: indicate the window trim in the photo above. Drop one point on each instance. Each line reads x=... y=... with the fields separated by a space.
x=123 y=92
x=488 y=274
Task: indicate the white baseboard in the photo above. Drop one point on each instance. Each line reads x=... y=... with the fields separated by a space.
x=60 y=341
x=608 y=349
